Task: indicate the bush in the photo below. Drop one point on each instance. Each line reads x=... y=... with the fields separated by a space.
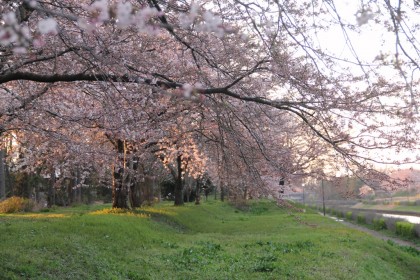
x=379 y=223
x=16 y=204
x=405 y=229
x=361 y=219
x=349 y=215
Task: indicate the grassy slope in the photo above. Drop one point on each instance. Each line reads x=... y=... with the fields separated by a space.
x=210 y=241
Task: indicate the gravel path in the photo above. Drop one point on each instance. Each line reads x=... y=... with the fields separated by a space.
x=375 y=233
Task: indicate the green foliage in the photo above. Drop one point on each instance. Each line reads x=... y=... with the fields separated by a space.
x=379 y=223
x=349 y=215
x=192 y=258
x=405 y=229
x=265 y=263
x=16 y=204
x=361 y=219
x=411 y=250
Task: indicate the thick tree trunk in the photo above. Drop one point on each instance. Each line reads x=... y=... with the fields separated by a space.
x=119 y=189
x=2 y=175
x=179 y=200
x=149 y=183
x=222 y=193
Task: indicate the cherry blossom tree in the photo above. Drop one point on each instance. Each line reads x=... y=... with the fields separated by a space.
x=248 y=86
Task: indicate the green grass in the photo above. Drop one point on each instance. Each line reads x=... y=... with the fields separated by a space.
x=209 y=241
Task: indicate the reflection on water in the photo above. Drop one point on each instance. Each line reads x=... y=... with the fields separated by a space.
x=411 y=219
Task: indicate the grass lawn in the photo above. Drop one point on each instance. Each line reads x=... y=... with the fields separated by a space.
x=210 y=241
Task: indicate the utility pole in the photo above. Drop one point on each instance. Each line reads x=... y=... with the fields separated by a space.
x=303 y=194
x=323 y=198
x=2 y=175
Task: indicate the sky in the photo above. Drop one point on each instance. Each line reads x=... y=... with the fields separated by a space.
x=369 y=43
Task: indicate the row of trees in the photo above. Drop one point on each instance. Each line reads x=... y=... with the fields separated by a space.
x=238 y=90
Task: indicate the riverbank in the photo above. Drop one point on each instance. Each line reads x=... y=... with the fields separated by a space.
x=375 y=233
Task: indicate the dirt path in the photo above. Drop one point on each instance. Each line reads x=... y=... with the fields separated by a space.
x=375 y=233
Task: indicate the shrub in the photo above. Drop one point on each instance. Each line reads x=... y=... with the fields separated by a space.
x=405 y=229
x=349 y=215
x=16 y=204
x=361 y=219
x=379 y=223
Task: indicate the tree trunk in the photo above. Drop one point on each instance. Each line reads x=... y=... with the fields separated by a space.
x=197 y=192
x=51 y=190
x=179 y=200
x=135 y=194
x=245 y=193
x=2 y=175
x=78 y=186
x=222 y=193
x=70 y=191
x=119 y=189
x=37 y=192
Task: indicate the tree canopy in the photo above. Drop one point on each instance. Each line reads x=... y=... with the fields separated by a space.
x=245 y=91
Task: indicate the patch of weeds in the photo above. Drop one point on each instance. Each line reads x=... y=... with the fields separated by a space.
x=135 y=276
x=193 y=257
x=258 y=209
x=411 y=250
x=167 y=244
x=265 y=263
x=328 y=254
x=346 y=239
x=379 y=224
x=285 y=248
